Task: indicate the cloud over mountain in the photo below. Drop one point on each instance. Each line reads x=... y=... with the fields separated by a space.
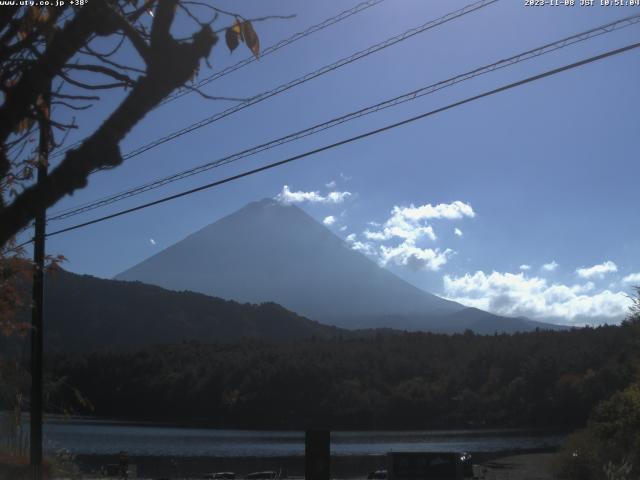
x=270 y=251
x=410 y=225
x=329 y=220
x=287 y=197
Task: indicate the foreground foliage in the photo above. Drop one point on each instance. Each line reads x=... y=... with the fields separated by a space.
x=609 y=446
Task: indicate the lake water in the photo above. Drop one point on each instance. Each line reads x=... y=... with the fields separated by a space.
x=90 y=437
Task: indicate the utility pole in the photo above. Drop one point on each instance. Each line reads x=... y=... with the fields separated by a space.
x=317 y=454
x=35 y=439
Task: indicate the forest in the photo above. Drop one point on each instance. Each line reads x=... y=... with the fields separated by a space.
x=387 y=380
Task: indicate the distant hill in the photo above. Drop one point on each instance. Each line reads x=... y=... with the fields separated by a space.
x=268 y=251
x=85 y=313
x=481 y=322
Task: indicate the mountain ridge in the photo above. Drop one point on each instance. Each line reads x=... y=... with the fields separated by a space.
x=269 y=251
x=86 y=313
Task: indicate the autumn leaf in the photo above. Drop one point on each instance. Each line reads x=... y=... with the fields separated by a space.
x=251 y=38
x=237 y=27
x=33 y=14
x=44 y=16
x=28 y=22
x=232 y=38
x=24 y=125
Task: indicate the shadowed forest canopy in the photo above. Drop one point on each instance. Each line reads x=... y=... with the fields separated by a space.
x=410 y=380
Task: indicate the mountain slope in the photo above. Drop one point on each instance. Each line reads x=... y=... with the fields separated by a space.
x=268 y=251
x=273 y=252
x=85 y=313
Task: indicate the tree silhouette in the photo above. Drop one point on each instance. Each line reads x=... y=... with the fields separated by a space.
x=61 y=48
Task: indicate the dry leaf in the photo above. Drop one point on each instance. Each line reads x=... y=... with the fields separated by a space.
x=232 y=38
x=24 y=125
x=251 y=38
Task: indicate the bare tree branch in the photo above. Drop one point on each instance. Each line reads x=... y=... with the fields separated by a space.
x=34 y=81
x=88 y=86
x=168 y=69
x=75 y=97
x=72 y=107
x=102 y=70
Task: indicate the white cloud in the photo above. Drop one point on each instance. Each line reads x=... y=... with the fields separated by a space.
x=343 y=228
x=597 y=271
x=330 y=220
x=407 y=232
x=331 y=184
x=409 y=223
x=450 y=211
x=362 y=247
x=550 y=267
x=416 y=258
x=406 y=254
x=152 y=241
x=337 y=197
x=518 y=295
x=525 y=267
x=286 y=196
x=633 y=278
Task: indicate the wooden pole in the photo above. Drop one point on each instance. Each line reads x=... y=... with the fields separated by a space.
x=35 y=439
x=317 y=455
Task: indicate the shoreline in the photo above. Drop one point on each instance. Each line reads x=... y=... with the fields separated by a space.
x=203 y=424
x=342 y=466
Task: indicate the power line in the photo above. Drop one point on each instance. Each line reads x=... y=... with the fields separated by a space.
x=283 y=43
x=527 y=55
x=509 y=86
x=267 y=51
x=309 y=76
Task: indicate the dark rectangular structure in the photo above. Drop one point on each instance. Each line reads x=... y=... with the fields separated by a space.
x=317 y=455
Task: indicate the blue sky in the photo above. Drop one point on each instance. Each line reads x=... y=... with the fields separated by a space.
x=545 y=174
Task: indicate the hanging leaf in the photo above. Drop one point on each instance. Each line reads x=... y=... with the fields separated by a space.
x=232 y=38
x=33 y=14
x=28 y=21
x=237 y=27
x=251 y=38
x=24 y=125
x=44 y=16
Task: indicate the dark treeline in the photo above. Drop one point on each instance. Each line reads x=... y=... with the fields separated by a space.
x=390 y=380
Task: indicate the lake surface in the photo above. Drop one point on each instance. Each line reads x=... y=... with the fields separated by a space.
x=91 y=437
